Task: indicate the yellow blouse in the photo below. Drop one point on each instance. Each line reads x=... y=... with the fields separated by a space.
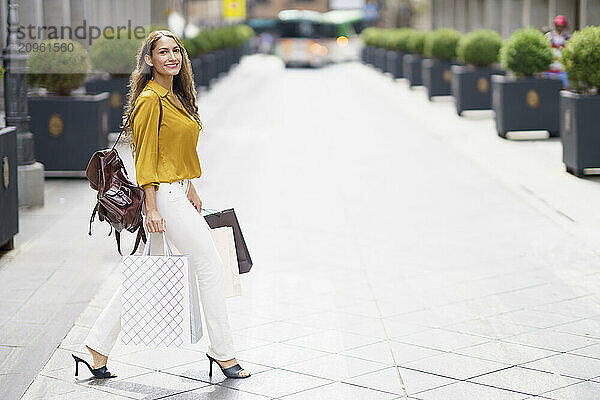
x=171 y=155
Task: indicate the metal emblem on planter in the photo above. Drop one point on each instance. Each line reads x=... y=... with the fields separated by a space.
x=533 y=99
x=116 y=100
x=568 y=121
x=448 y=75
x=56 y=125
x=483 y=85
x=5 y=172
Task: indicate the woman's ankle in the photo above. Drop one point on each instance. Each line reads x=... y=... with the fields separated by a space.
x=100 y=360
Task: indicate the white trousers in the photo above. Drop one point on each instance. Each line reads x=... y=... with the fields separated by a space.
x=190 y=234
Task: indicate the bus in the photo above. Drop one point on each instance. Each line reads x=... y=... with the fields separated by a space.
x=299 y=43
x=311 y=38
x=339 y=33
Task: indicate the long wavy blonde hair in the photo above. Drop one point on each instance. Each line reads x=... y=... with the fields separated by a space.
x=183 y=82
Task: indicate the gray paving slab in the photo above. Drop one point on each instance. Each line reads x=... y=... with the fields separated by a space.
x=340 y=391
x=466 y=390
x=525 y=380
x=384 y=230
x=442 y=340
x=506 y=353
x=152 y=385
x=414 y=382
x=568 y=365
x=276 y=383
x=332 y=341
x=551 y=340
x=199 y=371
x=578 y=391
x=41 y=299
x=456 y=366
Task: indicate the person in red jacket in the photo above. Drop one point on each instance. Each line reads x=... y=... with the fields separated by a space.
x=558 y=38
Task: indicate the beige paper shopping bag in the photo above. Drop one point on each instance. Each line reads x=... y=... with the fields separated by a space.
x=225 y=243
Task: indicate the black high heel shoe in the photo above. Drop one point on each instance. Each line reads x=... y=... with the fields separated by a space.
x=100 y=373
x=231 y=372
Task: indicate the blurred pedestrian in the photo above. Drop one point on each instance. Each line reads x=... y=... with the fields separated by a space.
x=165 y=163
x=558 y=38
x=266 y=42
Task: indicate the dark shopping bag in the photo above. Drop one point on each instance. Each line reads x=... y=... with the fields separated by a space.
x=228 y=218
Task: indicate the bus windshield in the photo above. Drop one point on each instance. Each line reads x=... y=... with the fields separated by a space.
x=328 y=30
x=298 y=29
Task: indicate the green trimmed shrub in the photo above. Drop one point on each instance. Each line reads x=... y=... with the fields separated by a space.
x=60 y=70
x=190 y=47
x=398 y=39
x=215 y=39
x=581 y=59
x=441 y=44
x=207 y=41
x=527 y=52
x=368 y=36
x=480 y=48
x=416 y=41
x=227 y=35
x=380 y=38
x=377 y=37
x=203 y=44
x=117 y=56
x=245 y=33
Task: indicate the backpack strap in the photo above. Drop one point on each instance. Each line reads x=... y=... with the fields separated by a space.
x=92 y=218
x=161 y=109
x=140 y=236
x=118 y=239
x=131 y=112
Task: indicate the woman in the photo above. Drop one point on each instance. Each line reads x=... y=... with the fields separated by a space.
x=165 y=161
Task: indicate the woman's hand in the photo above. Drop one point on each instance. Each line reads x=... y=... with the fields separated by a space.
x=154 y=222
x=194 y=198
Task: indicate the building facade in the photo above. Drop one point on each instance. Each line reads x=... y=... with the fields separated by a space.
x=504 y=16
x=76 y=13
x=270 y=8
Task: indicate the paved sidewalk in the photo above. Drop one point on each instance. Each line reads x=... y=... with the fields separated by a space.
x=396 y=253
x=48 y=280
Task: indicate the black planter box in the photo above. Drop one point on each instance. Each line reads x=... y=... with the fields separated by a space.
x=370 y=55
x=394 y=63
x=526 y=104
x=364 y=54
x=9 y=202
x=68 y=130
x=238 y=52
x=579 y=131
x=229 y=56
x=437 y=77
x=209 y=69
x=221 y=62
x=412 y=66
x=117 y=87
x=247 y=49
x=472 y=88
x=197 y=71
x=380 y=59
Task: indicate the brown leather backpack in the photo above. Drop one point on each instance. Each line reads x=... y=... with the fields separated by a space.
x=119 y=200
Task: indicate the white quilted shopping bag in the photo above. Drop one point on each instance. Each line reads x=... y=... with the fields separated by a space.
x=159 y=303
x=225 y=244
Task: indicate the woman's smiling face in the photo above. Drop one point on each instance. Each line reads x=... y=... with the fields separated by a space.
x=166 y=57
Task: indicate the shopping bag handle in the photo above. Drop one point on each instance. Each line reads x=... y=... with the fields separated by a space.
x=166 y=246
